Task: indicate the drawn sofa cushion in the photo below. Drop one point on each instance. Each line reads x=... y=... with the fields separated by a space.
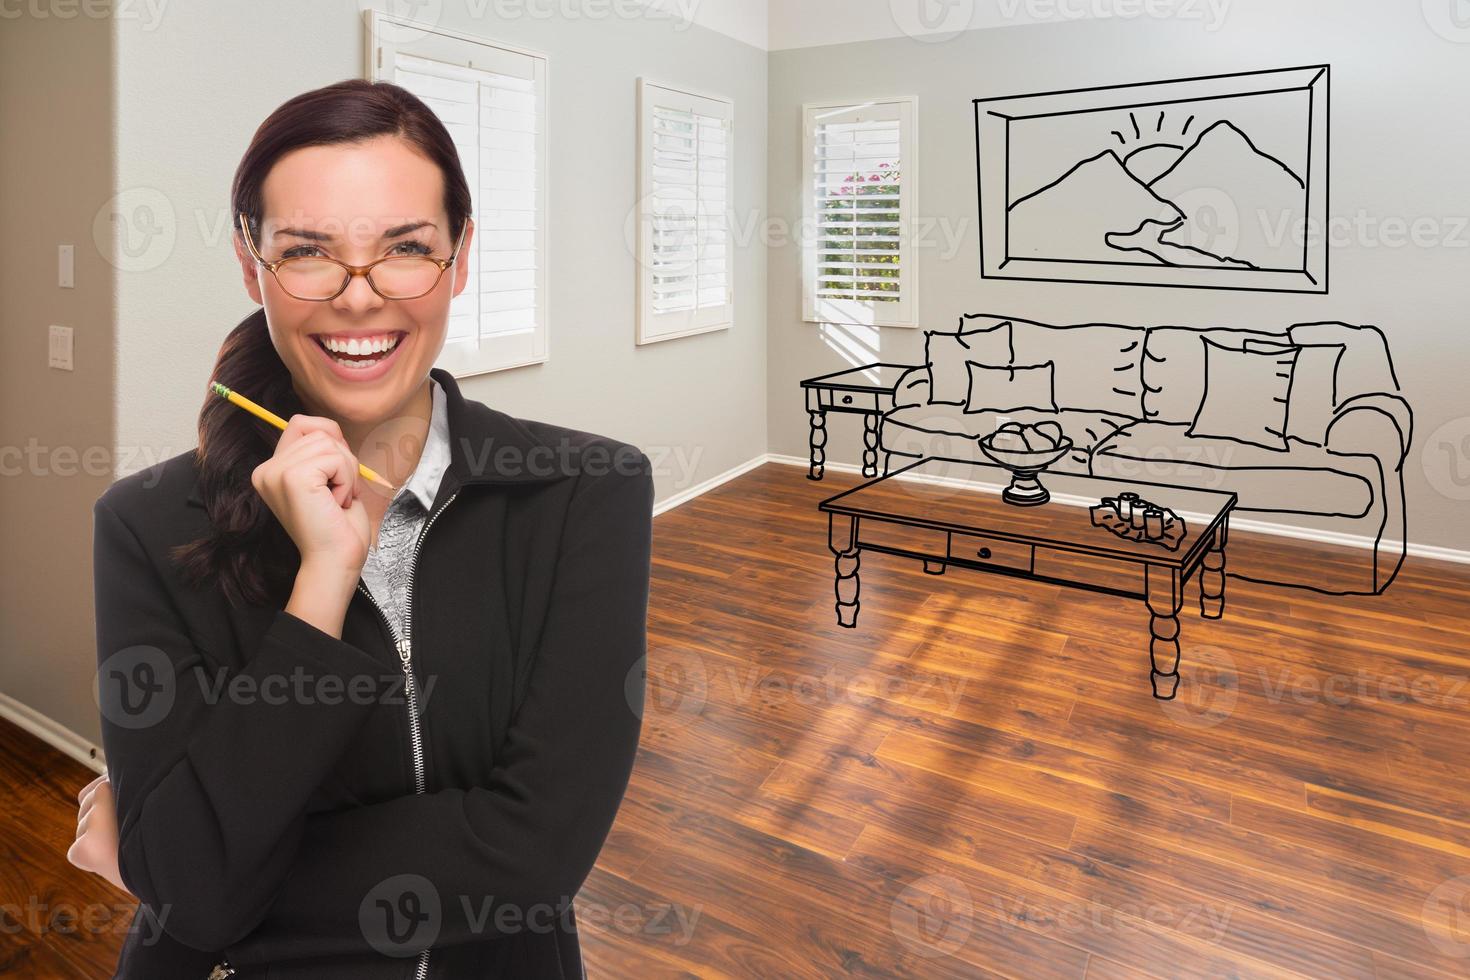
x=1364 y=368
x=1174 y=367
x=1245 y=396
x=948 y=431
x=1308 y=480
x=999 y=388
x=945 y=354
x=1312 y=402
x=1098 y=365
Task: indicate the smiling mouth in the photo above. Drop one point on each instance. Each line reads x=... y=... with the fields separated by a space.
x=359 y=354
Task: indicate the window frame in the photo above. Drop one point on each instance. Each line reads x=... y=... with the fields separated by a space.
x=385 y=37
x=651 y=327
x=904 y=312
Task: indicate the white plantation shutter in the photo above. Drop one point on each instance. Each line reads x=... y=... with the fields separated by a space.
x=857 y=205
x=685 y=257
x=493 y=102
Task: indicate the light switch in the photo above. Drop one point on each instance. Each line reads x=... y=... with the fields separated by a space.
x=66 y=266
x=60 y=348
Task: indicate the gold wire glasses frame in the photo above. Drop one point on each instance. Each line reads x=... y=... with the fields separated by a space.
x=352 y=270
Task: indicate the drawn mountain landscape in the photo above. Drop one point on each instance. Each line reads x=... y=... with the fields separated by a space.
x=1212 y=200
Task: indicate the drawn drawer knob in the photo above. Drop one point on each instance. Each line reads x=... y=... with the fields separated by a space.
x=847 y=399
x=983 y=552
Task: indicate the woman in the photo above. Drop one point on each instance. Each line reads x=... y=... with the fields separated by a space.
x=335 y=755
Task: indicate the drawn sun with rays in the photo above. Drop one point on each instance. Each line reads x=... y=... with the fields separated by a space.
x=1147 y=144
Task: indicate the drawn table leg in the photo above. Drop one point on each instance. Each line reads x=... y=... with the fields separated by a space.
x=842 y=540
x=870 y=444
x=1165 y=599
x=817 y=440
x=1212 y=576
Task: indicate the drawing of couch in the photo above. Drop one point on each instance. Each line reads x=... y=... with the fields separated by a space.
x=1307 y=427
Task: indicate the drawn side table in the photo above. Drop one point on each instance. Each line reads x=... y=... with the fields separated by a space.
x=866 y=390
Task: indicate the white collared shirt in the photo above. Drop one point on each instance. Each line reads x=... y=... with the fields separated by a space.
x=388 y=567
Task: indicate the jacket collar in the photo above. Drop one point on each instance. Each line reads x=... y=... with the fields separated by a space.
x=486 y=446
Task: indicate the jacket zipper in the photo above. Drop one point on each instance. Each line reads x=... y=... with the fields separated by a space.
x=404 y=645
x=405 y=656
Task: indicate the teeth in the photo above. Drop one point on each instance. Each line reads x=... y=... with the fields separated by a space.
x=360 y=346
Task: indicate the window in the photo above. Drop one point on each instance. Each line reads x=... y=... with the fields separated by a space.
x=857 y=208
x=686 y=265
x=492 y=99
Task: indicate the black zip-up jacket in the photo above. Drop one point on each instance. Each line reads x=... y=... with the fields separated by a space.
x=263 y=769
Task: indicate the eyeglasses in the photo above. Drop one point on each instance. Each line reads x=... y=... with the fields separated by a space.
x=318 y=277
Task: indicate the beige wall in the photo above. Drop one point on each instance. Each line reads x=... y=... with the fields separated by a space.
x=56 y=427
x=1400 y=138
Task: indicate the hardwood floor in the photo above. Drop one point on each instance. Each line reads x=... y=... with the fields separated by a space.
x=976 y=781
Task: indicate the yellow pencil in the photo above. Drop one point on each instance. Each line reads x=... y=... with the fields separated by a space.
x=234 y=397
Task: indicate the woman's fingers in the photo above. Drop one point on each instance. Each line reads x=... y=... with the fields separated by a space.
x=299 y=426
x=331 y=459
x=89 y=787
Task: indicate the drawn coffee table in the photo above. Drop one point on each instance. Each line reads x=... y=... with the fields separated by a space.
x=963 y=522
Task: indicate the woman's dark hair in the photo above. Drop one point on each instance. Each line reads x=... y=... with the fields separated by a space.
x=247 y=551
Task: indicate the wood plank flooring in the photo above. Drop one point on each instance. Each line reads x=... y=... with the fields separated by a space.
x=976 y=782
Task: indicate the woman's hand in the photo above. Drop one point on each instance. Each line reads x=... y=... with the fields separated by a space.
x=312 y=485
x=95 y=848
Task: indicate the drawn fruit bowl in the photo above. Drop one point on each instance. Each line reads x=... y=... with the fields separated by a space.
x=1026 y=449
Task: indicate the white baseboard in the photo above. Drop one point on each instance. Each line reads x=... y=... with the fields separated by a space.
x=1430 y=551
x=53 y=733
x=702 y=488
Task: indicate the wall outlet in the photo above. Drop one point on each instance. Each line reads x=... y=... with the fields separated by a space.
x=1001 y=420
x=59 y=350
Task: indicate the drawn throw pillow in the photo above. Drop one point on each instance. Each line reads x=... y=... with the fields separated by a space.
x=1001 y=388
x=946 y=354
x=1247 y=394
x=1311 y=407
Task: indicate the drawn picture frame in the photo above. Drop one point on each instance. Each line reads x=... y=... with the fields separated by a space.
x=1215 y=182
